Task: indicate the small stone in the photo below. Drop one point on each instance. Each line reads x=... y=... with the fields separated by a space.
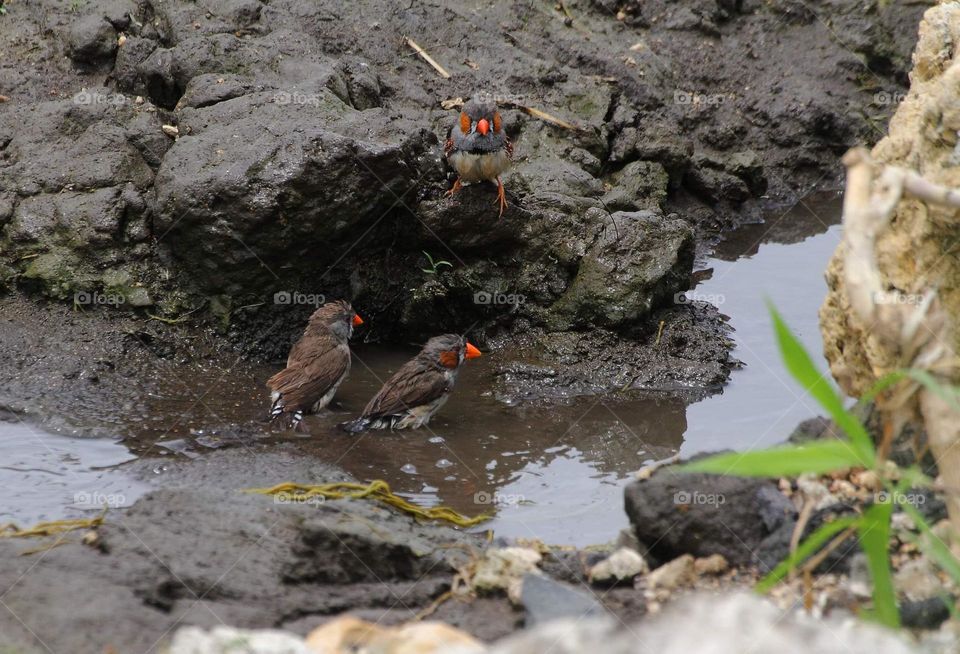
x=621 y=566
x=503 y=569
x=170 y=130
x=546 y=600
x=917 y=580
x=121 y=40
x=675 y=574
x=902 y=522
x=866 y=479
x=714 y=564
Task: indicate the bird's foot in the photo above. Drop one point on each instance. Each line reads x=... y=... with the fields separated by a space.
x=501 y=197
x=453 y=189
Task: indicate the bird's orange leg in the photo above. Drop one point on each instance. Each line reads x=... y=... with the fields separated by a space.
x=453 y=189
x=501 y=197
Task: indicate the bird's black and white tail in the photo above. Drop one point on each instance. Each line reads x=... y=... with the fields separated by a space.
x=363 y=424
x=277 y=410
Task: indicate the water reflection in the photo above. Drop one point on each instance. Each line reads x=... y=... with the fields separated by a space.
x=554 y=473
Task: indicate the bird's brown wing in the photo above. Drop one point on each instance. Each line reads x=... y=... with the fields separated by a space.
x=411 y=386
x=448 y=147
x=509 y=147
x=311 y=376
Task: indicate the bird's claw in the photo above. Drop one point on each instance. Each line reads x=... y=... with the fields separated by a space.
x=453 y=189
x=501 y=198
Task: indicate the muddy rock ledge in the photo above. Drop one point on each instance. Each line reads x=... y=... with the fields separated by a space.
x=189 y=158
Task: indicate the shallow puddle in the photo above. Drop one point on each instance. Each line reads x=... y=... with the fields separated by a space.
x=48 y=477
x=554 y=473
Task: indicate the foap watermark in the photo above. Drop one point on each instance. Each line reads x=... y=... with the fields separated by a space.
x=497 y=498
x=696 y=498
x=689 y=297
x=295 y=498
x=896 y=297
x=285 y=98
x=486 y=297
x=698 y=99
x=500 y=98
x=296 y=297
x=888 y=97
x=92 y=97
x=98 y=499
x=87 y=298
x=897 y=497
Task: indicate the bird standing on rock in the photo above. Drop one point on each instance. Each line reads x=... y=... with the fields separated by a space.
x=421 y=386
x=478 y=148
x=317 y=363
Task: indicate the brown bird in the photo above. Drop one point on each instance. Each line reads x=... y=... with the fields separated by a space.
x=317 y=363
x=478 y=148
x=421 y=386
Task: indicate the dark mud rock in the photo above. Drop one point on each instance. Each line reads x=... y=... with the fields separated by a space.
x=92 y=40
x=471 y=219
x=654 y=141
x=211 y=88
x=715 y=185
x=545 y=599
x=639 y=262
x=304 y=178
x=185 y=555
x=776 y=547
x=793 y=11
x=691 y=513
x=639 y=185
x=80 y=187
x=689 y=357
x=814 y=429
x=924 y=614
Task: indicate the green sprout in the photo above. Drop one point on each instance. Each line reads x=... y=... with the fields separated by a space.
x=434 y=265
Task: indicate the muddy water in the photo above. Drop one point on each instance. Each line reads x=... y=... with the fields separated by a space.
x=554 y=473
x=47 y=477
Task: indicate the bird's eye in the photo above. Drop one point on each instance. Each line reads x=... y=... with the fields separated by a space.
x=464 y=122
x=497 y=122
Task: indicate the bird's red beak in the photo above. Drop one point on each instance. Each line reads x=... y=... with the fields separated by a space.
x=357 y=320
x=472 y=352
x=483 y=127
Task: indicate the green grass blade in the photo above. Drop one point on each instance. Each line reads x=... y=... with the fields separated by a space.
x=783 y=461
x=805 y=550
x=875 y=540
x=947 y=392
x=800 y=366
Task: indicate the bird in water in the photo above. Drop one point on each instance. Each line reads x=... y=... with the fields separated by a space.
x=418 y=389
x=317 y=365
x=478 y=148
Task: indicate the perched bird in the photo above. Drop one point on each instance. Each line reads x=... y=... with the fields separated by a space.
x=421 y=386
x=317 y=363
x=478 y=148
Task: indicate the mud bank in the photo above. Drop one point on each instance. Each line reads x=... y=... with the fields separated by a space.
x=213 y=159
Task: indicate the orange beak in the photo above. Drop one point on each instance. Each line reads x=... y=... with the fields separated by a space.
x=472 y=352
x=483 y=127
x=357 y=320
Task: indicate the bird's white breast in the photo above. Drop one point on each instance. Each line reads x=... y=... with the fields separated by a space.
x=476 y=167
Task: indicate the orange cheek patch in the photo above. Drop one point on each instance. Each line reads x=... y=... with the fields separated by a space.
x=464 y=123
x=497 y=122
x=449 y=359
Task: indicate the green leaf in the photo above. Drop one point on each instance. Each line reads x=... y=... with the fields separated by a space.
x=805 y=550
x=875 y=540
x=784 y=461
x=800 y=365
